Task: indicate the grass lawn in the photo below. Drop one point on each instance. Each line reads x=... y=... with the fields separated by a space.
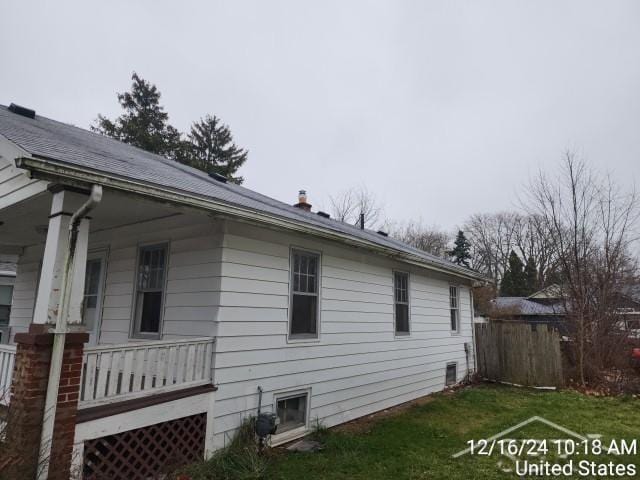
x=417 y=443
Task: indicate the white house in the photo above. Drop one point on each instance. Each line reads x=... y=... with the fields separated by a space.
x=333 y=322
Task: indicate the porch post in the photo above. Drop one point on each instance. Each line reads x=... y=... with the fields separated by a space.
x=34 y=352
x=63 y=204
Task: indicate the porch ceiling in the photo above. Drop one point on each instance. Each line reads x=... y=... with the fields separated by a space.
x=25 y=223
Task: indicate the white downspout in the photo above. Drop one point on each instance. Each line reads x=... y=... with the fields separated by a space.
x=60 y=333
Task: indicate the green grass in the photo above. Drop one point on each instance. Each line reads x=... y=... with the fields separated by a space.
x=417 y=442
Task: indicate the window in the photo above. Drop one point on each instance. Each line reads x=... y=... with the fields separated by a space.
x=292 y=412
x=152 y=261
x=92 y=283
x=304 y=294
x=401 y=295
x=453 y=306
x=6 y=292
x=452 y=374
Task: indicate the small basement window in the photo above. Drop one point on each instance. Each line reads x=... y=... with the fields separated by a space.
x=452 y=374
x=292 y=412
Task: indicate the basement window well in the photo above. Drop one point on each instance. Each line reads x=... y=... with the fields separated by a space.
x=292 y=412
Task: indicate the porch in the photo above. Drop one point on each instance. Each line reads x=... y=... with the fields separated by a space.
x=136 y=286
x=116 y=373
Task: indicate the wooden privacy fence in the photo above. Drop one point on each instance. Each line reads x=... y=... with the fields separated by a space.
x=515 y=353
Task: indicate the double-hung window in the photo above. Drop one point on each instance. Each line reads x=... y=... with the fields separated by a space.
x=6 y=292
x=152 y=265
x=454 y=309
x=401 y=297
x=304 y=294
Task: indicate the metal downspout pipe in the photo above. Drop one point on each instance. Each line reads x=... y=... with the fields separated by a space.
x=60 y=333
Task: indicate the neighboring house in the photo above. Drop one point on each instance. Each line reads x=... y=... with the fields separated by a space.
x=629 y=309
x=546 y=307
x=7 y=280
x=331 y=321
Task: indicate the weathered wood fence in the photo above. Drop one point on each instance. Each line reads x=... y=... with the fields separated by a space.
x=515 y=353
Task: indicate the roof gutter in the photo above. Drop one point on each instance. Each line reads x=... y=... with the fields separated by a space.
x=51 y=169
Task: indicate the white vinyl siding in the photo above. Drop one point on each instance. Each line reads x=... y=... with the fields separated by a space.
x=233 y=281
x=24 y=289
x=357 y=366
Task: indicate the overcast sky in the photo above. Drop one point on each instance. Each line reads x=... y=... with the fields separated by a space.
x=442 y=108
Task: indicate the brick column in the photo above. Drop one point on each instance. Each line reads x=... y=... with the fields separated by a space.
x=28 y=392
x=68 y=396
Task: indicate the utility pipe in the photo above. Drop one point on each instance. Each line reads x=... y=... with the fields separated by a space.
x=60 y=332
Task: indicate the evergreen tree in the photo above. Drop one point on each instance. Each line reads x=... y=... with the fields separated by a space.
x=531 y=276
x=144 y=122
x=514 y=282
x=210 y=148
x=461 y=253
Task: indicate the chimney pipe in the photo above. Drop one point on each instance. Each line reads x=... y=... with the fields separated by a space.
x=302 y=201
x=362 y=221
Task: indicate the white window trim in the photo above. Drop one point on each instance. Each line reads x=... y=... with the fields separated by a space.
x=280 y=438
x=396 y=334
x=457 y=329
x=304 y=338
x=103 y=254
x=455 y=381
x=134 y=334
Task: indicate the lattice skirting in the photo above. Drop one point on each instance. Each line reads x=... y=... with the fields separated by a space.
x=145 y=452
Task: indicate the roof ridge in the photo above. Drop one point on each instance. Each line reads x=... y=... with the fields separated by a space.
x=70 y=144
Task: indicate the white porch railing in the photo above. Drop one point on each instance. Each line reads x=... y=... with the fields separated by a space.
x=7 y=359
x=113 y=373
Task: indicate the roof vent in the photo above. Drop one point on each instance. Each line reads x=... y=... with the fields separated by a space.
x=218 y=177
x=324 y=214
x=25 y=112
x=384 y=234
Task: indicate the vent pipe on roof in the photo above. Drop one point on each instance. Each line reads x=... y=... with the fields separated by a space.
x=302 y=201
x=218 y=177
x=362 y=221
x=24 y=111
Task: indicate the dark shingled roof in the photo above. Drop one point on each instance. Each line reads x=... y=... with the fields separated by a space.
x=50 y=139
x=524 y=306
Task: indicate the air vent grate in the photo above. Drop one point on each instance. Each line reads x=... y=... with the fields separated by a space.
x=24 y=111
